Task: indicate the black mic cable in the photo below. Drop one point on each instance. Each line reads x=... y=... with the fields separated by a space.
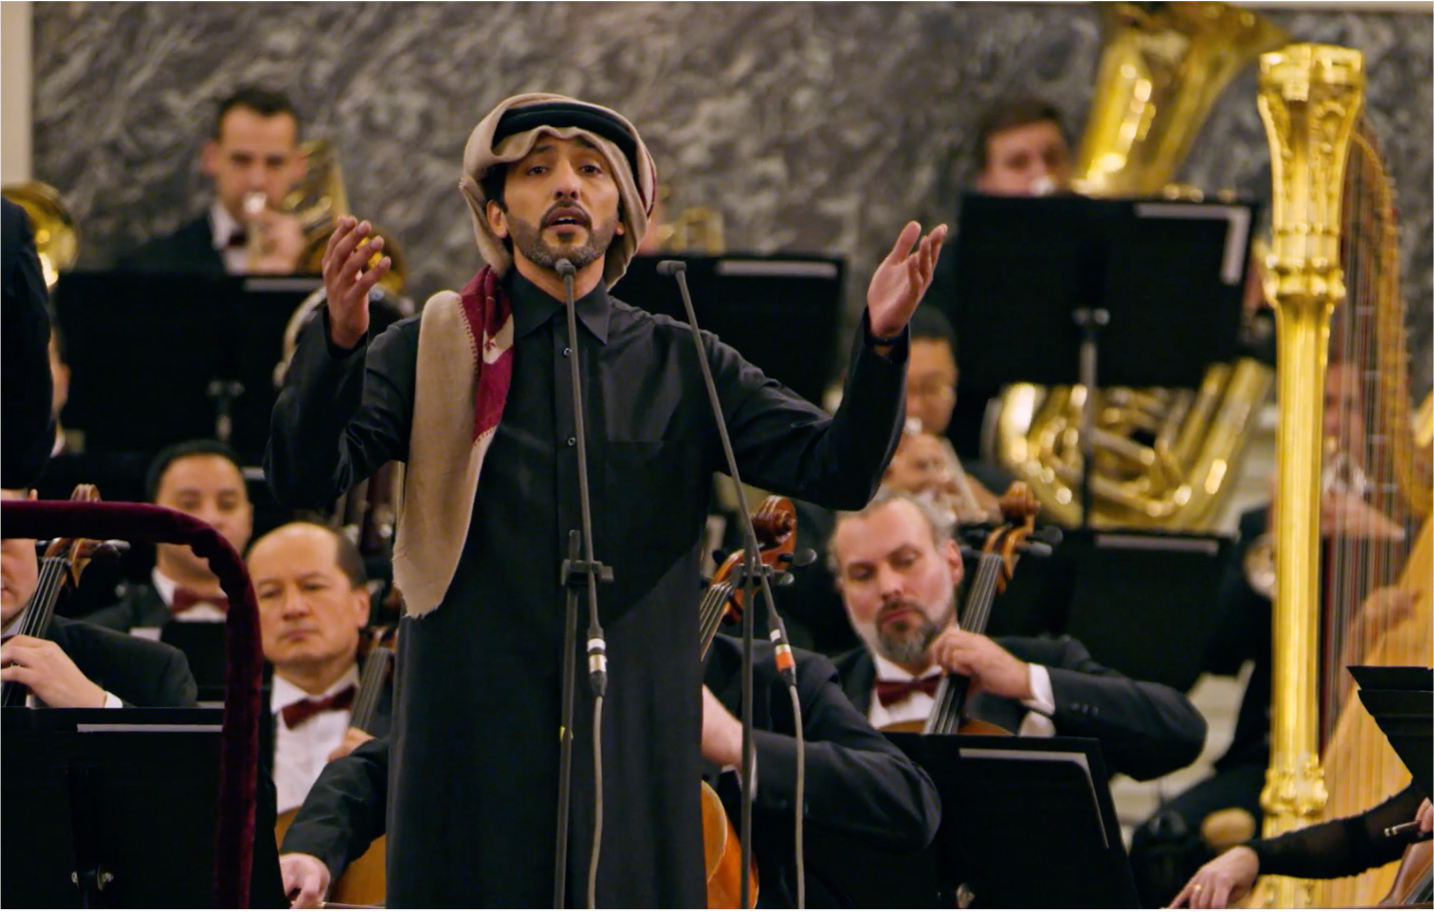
x=786 y=664
x=597 y=644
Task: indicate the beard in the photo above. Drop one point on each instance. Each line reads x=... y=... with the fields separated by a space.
x=905 y=641
x=528 y=239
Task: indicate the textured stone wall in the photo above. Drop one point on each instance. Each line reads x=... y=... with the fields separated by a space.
x=812 y=127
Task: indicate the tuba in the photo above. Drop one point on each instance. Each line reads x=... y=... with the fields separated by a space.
x=56 y=240
x=1163 y=458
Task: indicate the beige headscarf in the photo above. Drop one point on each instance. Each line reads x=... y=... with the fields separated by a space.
x=534 y=115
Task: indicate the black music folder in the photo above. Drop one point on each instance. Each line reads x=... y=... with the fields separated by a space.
x=116 y=808
x=1026 y=823
x=1401 y=700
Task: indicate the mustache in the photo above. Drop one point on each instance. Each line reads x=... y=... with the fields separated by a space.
x=891 y=608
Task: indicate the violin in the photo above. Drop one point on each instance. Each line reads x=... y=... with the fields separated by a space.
x=64 y=561
x=994 y=569
x=775 y=523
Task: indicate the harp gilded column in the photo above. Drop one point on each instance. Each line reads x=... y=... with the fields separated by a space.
x=1309 y=98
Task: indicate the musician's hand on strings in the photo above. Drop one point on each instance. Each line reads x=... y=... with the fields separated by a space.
x=1425 y=816
x=1386 y=608
x=52 y=677
x=306 y=880
x=1222 y=882
x=990 y=667
x=721 y=732
x=347 y=282
x=352 y=739
x=902 y=278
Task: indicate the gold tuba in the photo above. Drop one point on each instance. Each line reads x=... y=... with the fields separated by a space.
x=1163 y=457
x=56 y=240
x=318 y=200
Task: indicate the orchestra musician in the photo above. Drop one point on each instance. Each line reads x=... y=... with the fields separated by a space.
x=201 y=478
x=313 y=601
x=858 y=783
x=1335 y=848
x=253 y=160
x=475 y=760
x=78 y=664
x=898 y=570
x=28 y=433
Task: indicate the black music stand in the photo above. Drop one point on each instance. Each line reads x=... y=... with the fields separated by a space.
x=757 y=304
x=1066 y=290
x=1401 y=700
x=1026 y=823
x=114 y=808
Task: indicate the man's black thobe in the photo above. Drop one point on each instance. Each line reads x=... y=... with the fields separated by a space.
x=472 y=805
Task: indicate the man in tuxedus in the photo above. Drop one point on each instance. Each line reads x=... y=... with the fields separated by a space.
x=73 y=664
x=898 y=570
x=313 y=601
x=478 y=557
x=253 y=160
x=201 y=478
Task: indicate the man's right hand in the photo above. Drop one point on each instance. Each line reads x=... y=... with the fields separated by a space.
x=306 y=880
x=347 y=283
x=1222 y=882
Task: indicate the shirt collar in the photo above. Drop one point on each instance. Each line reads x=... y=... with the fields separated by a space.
x=222 y=224
x=532 y=307
x=284 y=692
x=163 y=587
x=887 y=670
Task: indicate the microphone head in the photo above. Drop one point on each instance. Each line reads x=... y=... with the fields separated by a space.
x=565 y=268
x=671 y=267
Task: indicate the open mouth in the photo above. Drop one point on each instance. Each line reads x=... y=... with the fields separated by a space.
x=566 y=218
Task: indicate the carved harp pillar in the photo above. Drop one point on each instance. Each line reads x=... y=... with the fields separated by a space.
x=1310 y=97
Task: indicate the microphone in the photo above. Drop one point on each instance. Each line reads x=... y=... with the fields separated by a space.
x=671 y=267
x=565 y=268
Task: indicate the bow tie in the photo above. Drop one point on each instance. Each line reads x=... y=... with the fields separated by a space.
x=185 y=599
x=296 y=714
x=889 y=692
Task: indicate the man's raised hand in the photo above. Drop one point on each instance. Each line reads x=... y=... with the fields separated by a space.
x=902 y=278
x=347 y=283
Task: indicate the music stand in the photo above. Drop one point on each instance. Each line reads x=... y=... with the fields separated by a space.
x=113 y=808
x=1124 y=292
x=1401 y=700
x=753 y=303
x=1026 y=823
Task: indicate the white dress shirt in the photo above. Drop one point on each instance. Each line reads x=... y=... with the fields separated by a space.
x=301 y=753
x=165 y=587
x=12 y=628
x=917 y=705
x=236 y=259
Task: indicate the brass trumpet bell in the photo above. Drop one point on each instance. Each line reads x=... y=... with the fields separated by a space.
x=318 y=200
x=56 y=240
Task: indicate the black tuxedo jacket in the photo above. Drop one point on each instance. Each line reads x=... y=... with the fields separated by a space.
x=28 y=432
x=1145 y=730
x=140 y=606
x=190 y=249
x=139 y=672
x=857 y=781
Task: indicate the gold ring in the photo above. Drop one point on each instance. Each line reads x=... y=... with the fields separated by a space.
x=1198 y=888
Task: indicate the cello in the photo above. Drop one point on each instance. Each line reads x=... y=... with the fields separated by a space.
x=775 y=523
x=994 y=569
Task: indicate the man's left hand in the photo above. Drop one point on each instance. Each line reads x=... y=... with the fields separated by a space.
x=283 y=243
x=901 y=279
x=990 y=667
x=721 y=732
x=52 y=677
x=352 y=739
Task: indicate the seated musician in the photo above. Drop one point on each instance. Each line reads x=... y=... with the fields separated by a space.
x=253 y=159
x=1336 y=848
x=857 y=782
x=201 y=478
x=898 y=570
x=313 y=601
x=75 y=664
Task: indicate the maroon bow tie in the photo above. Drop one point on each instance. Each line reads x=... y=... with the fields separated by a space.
x=296 y=714
x=889 y=692
x=185 y=599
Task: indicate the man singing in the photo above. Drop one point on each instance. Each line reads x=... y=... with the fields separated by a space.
x=491 y=494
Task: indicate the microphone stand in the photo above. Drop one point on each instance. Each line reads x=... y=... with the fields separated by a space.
x=581 y=570
x=753 y=572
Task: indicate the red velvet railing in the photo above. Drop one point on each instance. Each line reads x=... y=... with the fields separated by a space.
x=238 y=763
